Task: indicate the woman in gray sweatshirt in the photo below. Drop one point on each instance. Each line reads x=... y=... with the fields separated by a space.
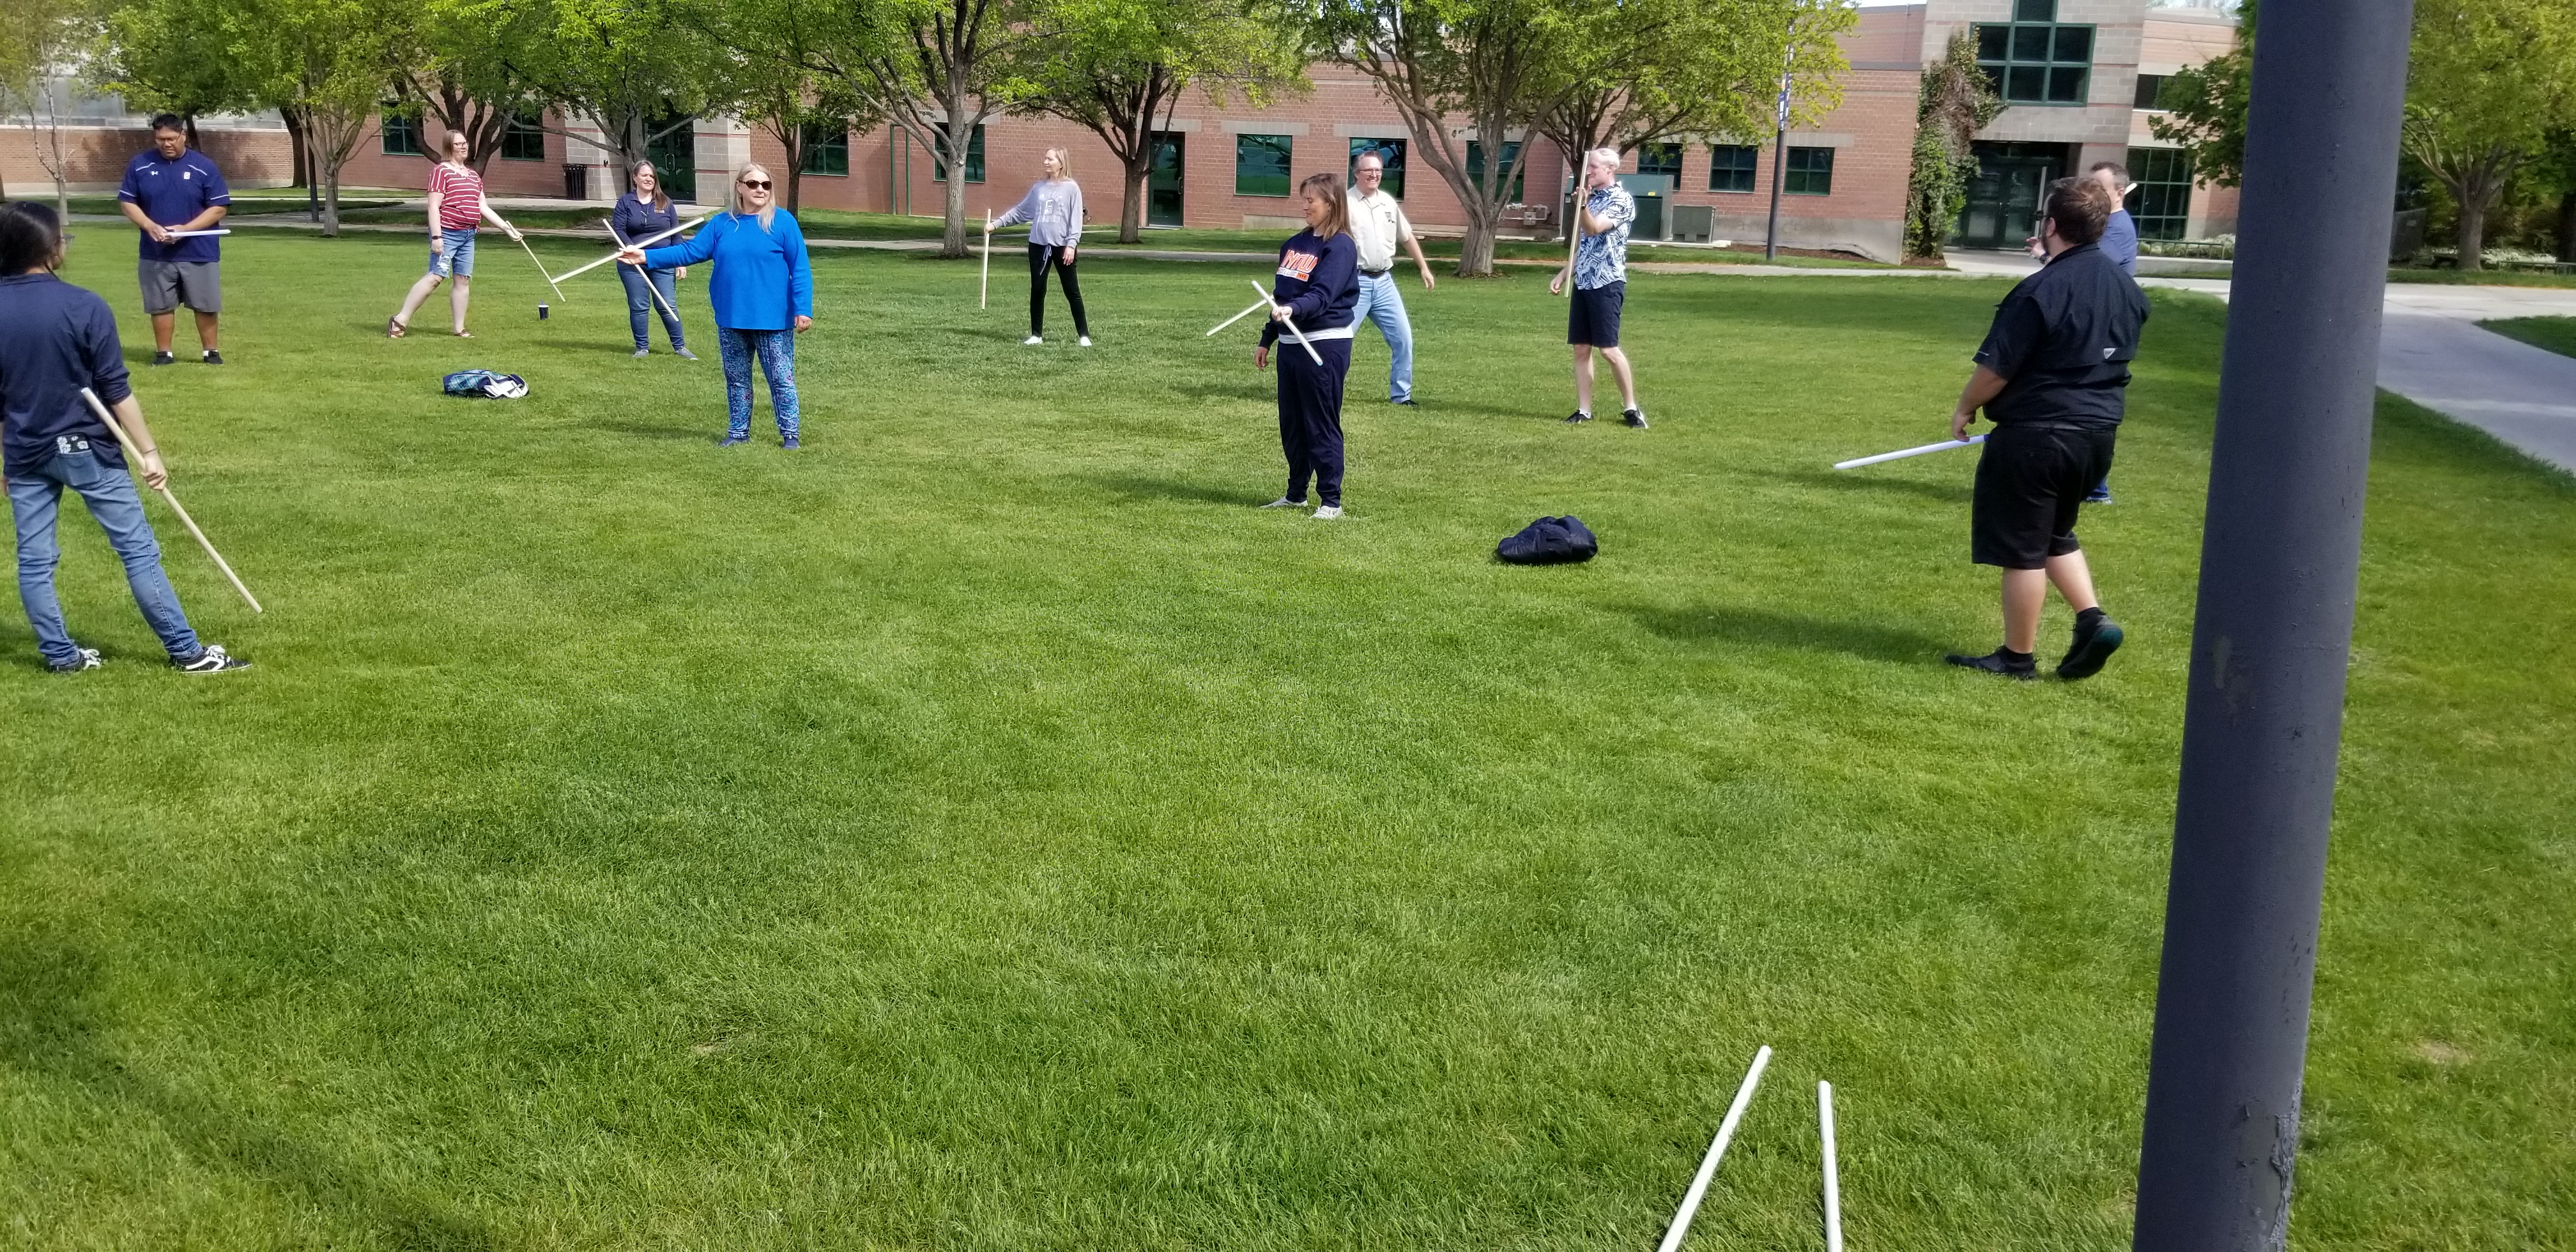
x=1053 y=210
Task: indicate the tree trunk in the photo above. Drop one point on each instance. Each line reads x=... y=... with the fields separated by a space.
x=331 y=201
x=301 y=175
x=1476 y=251
x=1131 y=207
x=2471 y=236
x=2567 y=226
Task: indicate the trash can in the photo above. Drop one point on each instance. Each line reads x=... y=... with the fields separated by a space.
x=576 y=182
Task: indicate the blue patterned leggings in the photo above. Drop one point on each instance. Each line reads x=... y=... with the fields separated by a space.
x=777 y=352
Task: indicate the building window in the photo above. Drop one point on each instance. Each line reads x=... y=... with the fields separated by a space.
x=400 y=132
x=974 y=157
x=1390 y=151
x=824 y=148
x=2160 y=205
x=1261 y=164
x=1811 y=172
x=524 y=141
x=1731 y=165
x=2035 y=59
x=1660 y=158
x=2149 y=87
x=1511 y=153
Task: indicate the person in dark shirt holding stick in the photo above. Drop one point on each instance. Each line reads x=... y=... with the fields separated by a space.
x=2052 y=375
x=55 y=339
x=642 y=214
x=1318 y=288
x=175 y=188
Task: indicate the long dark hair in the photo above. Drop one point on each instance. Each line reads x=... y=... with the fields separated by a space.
x=31 y=237
x=661 y=202
x=1330 y=188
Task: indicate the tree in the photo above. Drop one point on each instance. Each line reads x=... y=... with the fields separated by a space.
x=1118 y=67
x=771 y=49
x=175 y=56
x=1490 y=61
x=633 y=67
x=330 y=60
x=40 y=46
x=1637 y=72
x=2488 y=81
x=468 y=67
x=2204 y=107
x=1956 y=103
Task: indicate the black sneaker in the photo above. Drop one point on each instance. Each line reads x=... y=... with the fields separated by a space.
x=1406 y=402
x=2099 y=495
x=1635 y=418
x=2085 y=656
x=214 y=660
x=211 y=357
x=1579 y=416
x=86 y=660
x=164 y=358
x=2024 y=669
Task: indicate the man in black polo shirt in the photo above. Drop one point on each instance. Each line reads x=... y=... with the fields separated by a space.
x=2051 y=375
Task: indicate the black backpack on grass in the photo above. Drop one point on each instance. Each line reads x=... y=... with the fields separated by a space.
x=1550 y=541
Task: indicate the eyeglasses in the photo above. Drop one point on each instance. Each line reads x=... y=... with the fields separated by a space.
x=756 y=184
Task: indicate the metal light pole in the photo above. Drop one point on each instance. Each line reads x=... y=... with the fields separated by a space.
x=2280 y=556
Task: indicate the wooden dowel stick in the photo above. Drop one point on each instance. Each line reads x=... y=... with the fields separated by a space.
x=134 y=455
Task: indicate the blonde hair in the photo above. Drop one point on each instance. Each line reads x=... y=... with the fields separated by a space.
x=1063 y=162
x=767 y=211
x=1328 y=188
x=1608 y=156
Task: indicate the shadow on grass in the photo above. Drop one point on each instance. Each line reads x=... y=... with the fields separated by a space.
x=1769 y=628
x=1876 y=484
x=1137 y=487
x=50 y=1029
x=646 y=430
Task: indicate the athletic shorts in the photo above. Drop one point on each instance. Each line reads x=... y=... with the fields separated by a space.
x=169 y=284
x=1594 y=319
x=455 y=257
x=2029 y=482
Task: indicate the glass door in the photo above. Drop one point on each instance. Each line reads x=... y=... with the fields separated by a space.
x=674 y=157
x=1163 y=183
x=2004 y=198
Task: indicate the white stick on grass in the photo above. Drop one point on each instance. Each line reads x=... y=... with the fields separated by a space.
x=541 y=267
x=1256 y=307
x=1943 y=446
x=656 y=292
x=1716 y=1149
x=1833 y=1174
x=134 y=457
x=576 y=273
x=1291 y=324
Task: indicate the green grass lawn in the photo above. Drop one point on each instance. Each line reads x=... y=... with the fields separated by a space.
x=2558 y=334
x=985 y=829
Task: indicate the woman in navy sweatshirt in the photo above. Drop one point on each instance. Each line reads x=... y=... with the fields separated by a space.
x=642 y=214
x=763 y=293
x=1318 y=288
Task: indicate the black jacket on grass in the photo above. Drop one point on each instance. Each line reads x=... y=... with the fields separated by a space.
x=55 y=339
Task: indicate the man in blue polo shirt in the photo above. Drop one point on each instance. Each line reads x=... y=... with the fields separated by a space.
x=171 y=188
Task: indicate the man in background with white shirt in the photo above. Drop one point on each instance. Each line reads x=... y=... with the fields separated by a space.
x=1377 y=226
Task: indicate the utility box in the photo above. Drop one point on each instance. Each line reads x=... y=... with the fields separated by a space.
x=1694 y=223
x=1654 y=194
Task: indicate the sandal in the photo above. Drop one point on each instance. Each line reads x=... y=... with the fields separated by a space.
x=465 y=334
x=393 y=328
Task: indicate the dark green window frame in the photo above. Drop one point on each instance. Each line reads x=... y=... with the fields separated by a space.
x=823 y=148
x=1732 y=166
x=524 y=139
x=974 y=157
x=1660 y=158
x=1262 y=164
x=398 y=134
x=1511 y=153
x=1811 y=172
x=2036 y=59
x=2160 y=207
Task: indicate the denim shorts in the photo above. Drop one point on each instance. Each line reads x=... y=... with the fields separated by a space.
x=455 y=254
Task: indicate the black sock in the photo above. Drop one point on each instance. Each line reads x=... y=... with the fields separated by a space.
x=2088 y=619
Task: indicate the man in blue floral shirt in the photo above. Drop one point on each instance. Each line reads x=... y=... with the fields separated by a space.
x=1600 y=273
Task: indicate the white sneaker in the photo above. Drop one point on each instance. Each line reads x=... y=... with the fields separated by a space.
x=85 y=659
x=1328 y=512
x=1085 y=341
x=1032 y=341
x=1284 y=502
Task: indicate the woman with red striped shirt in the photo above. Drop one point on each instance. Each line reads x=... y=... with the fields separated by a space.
x=456 y=205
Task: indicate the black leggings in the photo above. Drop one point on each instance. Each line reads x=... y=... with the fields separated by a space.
x=1039 y=255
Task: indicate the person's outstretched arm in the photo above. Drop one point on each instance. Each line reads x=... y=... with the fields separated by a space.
x=800 y=273
x=689 y=251
x=1025 y=211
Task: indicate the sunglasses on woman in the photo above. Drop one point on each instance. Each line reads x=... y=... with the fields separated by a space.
x=756 y=184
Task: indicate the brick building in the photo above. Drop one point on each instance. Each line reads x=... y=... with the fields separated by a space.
x=2074 y=74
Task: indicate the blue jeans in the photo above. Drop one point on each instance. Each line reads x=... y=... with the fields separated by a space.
x=455 y=254
x=1382 y=303
x=35 y=499
x=777 y=352
x=639 y=302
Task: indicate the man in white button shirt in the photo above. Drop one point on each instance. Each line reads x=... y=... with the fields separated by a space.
x=1377 y=225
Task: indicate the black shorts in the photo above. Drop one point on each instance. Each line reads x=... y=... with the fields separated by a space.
x=2029 y=482
x=1594 y=319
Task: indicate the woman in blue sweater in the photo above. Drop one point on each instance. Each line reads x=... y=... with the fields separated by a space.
x=642 y=214
x=763 y=293
x=1318 y=288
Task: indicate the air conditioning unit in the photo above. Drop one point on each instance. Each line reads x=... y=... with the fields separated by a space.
x=1694 y=223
